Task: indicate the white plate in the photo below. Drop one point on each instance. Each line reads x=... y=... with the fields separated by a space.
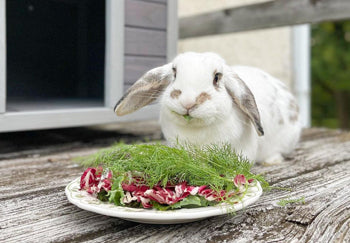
x=151 y=216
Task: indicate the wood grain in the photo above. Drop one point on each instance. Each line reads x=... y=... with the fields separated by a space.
x=33 y=205
x=135 y=66
x=263 y=15
x=145 y=42
x=155 y=1
x=145 y=14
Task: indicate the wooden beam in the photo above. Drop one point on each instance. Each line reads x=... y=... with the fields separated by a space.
x=13 y=121
x=2 y=56
x=264 y=15
x=114 y=59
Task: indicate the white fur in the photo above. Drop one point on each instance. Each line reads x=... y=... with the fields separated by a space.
x=219 y=120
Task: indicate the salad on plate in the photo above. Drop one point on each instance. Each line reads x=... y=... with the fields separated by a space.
x=155 y=176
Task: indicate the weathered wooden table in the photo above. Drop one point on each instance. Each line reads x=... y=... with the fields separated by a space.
x=34 y=208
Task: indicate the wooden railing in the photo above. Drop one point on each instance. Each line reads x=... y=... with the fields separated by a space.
x=263 y=15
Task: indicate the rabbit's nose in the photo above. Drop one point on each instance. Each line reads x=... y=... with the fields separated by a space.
x=188 y=104
x=187 y=99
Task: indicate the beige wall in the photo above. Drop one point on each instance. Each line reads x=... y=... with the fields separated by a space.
x=268 y=49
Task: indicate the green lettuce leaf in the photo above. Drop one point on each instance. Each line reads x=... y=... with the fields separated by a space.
x=102 y=195
x=116 y=193
x=188 y=202
x=160 y=207
x=193 y=202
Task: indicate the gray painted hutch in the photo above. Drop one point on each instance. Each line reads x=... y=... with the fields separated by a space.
x=65 y=63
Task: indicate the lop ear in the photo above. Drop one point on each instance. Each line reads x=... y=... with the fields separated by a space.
x=145 y=90
x=244 y=99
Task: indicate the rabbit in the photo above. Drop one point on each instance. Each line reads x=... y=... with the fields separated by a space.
x=204 y=101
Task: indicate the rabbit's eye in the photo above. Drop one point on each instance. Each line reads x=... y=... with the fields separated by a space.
x=174 y=71
x=216 y=79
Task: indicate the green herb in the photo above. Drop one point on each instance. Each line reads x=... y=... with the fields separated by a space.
x=284 y=202
x=188 y=117
x=211 y=165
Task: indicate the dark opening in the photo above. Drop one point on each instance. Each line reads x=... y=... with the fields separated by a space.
x=55 y=52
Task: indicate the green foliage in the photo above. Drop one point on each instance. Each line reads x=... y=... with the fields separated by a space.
x=103 y=196
x=215 y=166
x=284 y=202
x=188 y=202
x=330 y=64
x=116 y=193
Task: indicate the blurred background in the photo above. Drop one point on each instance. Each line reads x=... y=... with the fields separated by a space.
x=330 y=68
x=272 y=50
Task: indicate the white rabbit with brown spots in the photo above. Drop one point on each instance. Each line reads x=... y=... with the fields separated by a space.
x=204 y=101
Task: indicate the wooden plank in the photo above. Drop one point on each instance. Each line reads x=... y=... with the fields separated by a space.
x=2 y=56
x=145 y=14
x=114 y=64
x=318 y=170
x=31 y=120
x=44 y=192
x=264 y=15
x=126 y=87
x=21 y=105
x=46 y=142
x=155 y=1
x=135 y=66
x=145 y=42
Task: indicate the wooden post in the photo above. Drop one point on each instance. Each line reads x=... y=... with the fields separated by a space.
x=301 y=71
x=114 y=60
x=2 y=56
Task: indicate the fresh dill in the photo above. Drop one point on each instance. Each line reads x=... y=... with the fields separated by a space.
x=284 y=202
x=212 y=165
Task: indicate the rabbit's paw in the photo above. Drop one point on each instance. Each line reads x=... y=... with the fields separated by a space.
x=275 y=159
